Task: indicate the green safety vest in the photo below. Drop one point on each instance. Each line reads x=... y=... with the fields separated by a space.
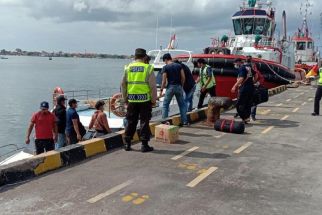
x=204 y=77
x=138 y=88
x=320 y=74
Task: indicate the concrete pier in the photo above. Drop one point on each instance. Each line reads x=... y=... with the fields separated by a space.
x=275 y=168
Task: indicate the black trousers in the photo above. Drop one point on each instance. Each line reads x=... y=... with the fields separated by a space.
x=44 y=145
x=318 y=96
x=135 y=112
x=212 y=93
x=245 y=103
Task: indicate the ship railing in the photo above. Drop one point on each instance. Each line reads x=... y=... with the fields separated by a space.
x=235 y=43
x=102 y=93
x=90 y=96
x=267 y=43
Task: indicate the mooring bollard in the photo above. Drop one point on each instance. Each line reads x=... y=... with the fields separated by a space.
x=214 y=106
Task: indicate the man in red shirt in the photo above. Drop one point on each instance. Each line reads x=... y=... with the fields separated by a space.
x=45 y=129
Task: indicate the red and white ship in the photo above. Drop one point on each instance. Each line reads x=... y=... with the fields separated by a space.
x=254 y=27
x=306 y=56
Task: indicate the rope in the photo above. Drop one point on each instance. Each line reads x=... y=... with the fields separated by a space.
x=278 y=74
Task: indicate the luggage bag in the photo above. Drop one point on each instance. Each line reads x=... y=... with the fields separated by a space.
x=230 y=126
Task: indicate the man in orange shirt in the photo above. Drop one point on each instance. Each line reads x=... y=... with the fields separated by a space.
x=45 y=129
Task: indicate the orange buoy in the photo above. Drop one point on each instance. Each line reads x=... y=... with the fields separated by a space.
x=117 y=105
x=58 y=91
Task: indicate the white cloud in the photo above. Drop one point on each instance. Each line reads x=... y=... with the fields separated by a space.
x=120 y=25
x=80 y=6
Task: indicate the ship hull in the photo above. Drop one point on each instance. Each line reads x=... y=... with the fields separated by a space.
x=223 y=68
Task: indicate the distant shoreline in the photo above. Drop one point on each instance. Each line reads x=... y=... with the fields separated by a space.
x=115 y=58
x=19 y=52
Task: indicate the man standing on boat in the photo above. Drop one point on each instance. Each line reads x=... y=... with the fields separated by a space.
x=206 y=80
x=245 y=88
x=318 y=95
x=173 y=78
x=140 y=94
x=45 y=129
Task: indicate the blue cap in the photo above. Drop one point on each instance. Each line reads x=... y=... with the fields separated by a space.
x=44 y=105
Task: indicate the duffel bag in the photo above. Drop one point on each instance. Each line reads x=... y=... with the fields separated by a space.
x=260 y=95
x=230 y=126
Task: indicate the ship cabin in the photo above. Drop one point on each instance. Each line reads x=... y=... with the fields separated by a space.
x=304 y=48
x=254 y=21
x=303 y=43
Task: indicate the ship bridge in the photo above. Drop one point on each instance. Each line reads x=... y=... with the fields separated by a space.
x=254 y=21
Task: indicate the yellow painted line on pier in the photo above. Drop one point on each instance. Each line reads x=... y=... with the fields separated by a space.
x=285 y=118
x=220 y=136
x=243 y=148
x=202 y=177
x=295 y=110
x=310 y=99
x=288 y=100
x=184 y=153
x=304 y=103
x=268 y=129
x=279 y=105
x=109 y=192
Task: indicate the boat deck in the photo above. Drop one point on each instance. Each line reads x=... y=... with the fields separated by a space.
x=275 y=168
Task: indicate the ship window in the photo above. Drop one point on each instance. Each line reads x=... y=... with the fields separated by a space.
x=310 y=45
x=260 y=26
x=300 y=46
x=238 y=27
x=248 y=25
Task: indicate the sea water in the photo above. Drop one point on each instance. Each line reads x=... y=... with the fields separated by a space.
x=27 y=81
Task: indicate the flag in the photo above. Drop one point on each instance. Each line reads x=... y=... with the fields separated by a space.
x=313 y=71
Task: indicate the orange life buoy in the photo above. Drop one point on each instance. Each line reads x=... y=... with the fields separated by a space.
x=117 y=105
x=58 y=91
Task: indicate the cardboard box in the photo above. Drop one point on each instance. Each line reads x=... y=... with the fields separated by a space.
x=167 y=133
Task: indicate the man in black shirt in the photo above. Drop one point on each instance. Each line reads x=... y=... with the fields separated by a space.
x=173 y=80
x=245 y=88
x=189 y=86
x=60 y=113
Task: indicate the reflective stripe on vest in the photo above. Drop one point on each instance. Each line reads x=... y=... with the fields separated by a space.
x=320 y=74
x=204 y=77
x=138 y=88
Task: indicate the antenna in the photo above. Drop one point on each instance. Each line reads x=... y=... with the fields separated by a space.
x=157 y=34
x=320 y=21
x=171 y=26
x=305 y=12
x=284 y=27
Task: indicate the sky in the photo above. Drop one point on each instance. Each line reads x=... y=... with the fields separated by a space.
x=120 y=26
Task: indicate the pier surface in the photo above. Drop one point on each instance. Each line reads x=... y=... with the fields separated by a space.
x=275 y=168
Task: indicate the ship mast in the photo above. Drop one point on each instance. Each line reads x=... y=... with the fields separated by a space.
x=305 y=12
